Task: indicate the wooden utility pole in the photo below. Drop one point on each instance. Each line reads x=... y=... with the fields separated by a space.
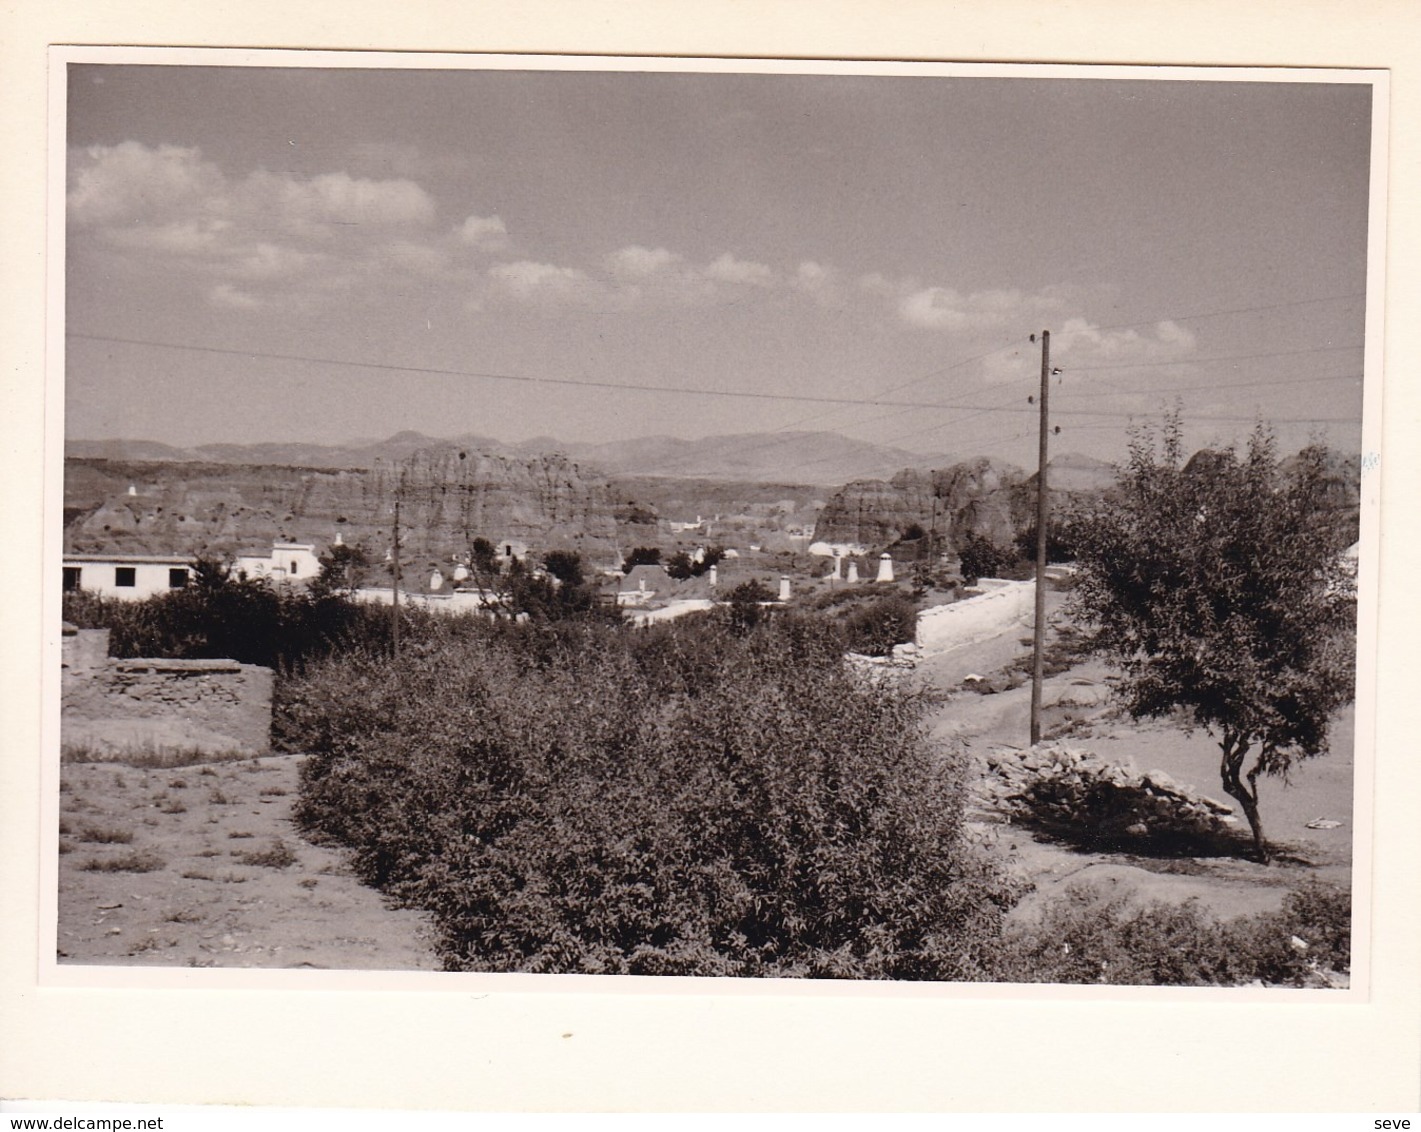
x=1038 y=636
x=395 y=605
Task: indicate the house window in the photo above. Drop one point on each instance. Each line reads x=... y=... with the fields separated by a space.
x=177 y=577
x=293 y=568
x=125 y=576
x=71 y=578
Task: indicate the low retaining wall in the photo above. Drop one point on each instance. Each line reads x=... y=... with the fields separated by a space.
x=975 y=619
x=155 y=705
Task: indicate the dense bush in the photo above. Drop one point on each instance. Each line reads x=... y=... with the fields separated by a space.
x=249 y=621
x=1085 y=938
x=875 y=627
x=694 y=801
x=868 y=620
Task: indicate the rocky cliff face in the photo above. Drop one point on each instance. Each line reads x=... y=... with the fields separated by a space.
x=448 y=498
x=979 y=496
x=982 y=497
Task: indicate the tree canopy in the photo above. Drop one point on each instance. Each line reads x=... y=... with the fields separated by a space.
x=1218 y=587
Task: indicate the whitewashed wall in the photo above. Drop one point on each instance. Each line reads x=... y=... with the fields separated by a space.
x=975 y=619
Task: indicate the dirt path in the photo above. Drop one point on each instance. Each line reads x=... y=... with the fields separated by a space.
x=200 y=866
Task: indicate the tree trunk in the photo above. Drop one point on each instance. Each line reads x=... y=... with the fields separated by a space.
x=1235 y=750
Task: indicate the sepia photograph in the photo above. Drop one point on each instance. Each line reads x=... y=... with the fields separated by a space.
x=732 y=519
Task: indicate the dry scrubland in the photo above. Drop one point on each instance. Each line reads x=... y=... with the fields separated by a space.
x=204 y=865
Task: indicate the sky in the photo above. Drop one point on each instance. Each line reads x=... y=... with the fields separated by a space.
x=326 y=255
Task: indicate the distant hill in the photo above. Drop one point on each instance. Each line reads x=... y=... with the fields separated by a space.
x=823 y=458
x=126 y=451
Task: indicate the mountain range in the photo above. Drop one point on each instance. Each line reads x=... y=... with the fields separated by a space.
x=789 y=457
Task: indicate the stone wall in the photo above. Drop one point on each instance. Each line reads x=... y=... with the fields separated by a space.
x=1080 y=795
x=151 y=706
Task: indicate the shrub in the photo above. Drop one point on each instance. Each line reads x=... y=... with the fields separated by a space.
x=715 y=803
x=876 y=627
x=1087 y=938
x=277 y=855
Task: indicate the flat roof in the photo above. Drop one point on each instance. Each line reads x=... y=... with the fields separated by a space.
x=152 y=559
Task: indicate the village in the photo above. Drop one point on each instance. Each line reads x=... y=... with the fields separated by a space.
x=922 y=621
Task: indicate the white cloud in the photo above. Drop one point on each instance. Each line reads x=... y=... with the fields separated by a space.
x=130 y=181
x=312 y=207
x=1078 y=346
x=727 y=269
x=545 y=283
x=1080 y=342
x=485 y=232
x=944 y=308
x=820 y=282
x=637 y=262
x=167 y=207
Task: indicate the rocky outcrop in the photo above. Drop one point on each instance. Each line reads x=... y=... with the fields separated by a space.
x=981 y=496
x=1081 y=796
x=448 y=498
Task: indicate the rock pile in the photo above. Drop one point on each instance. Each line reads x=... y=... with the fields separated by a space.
x=1078 y=793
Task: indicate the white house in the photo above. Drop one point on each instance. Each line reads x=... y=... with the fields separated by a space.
x=288 y=561
x=133 y=576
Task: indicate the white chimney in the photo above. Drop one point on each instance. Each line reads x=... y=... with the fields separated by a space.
x=784 y=587
x=885 y=568
x=712 y=575
x=853 y=575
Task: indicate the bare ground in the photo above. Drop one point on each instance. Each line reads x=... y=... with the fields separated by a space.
x=200 y=866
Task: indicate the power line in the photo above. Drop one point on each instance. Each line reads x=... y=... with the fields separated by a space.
x=1206 y=361
x=1119 y=392
x=1232 y=310
x=524 y=378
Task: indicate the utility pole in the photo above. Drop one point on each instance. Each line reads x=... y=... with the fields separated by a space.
x=395 y=606
x=1038 y=635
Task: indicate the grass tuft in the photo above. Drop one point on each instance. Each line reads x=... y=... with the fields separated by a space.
x=276 y=856
x=105 y=835
x=135 y=861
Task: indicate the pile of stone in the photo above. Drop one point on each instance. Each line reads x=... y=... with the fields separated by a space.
x=1080 y=794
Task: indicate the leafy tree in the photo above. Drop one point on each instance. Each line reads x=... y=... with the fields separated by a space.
x=745 y=604
x=642 y=556
x=343 y=569
x=982 y=558
x=680 y=566
x=1217 y=587
x=483 y=557
x=1059 y=544
x=565 y=566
